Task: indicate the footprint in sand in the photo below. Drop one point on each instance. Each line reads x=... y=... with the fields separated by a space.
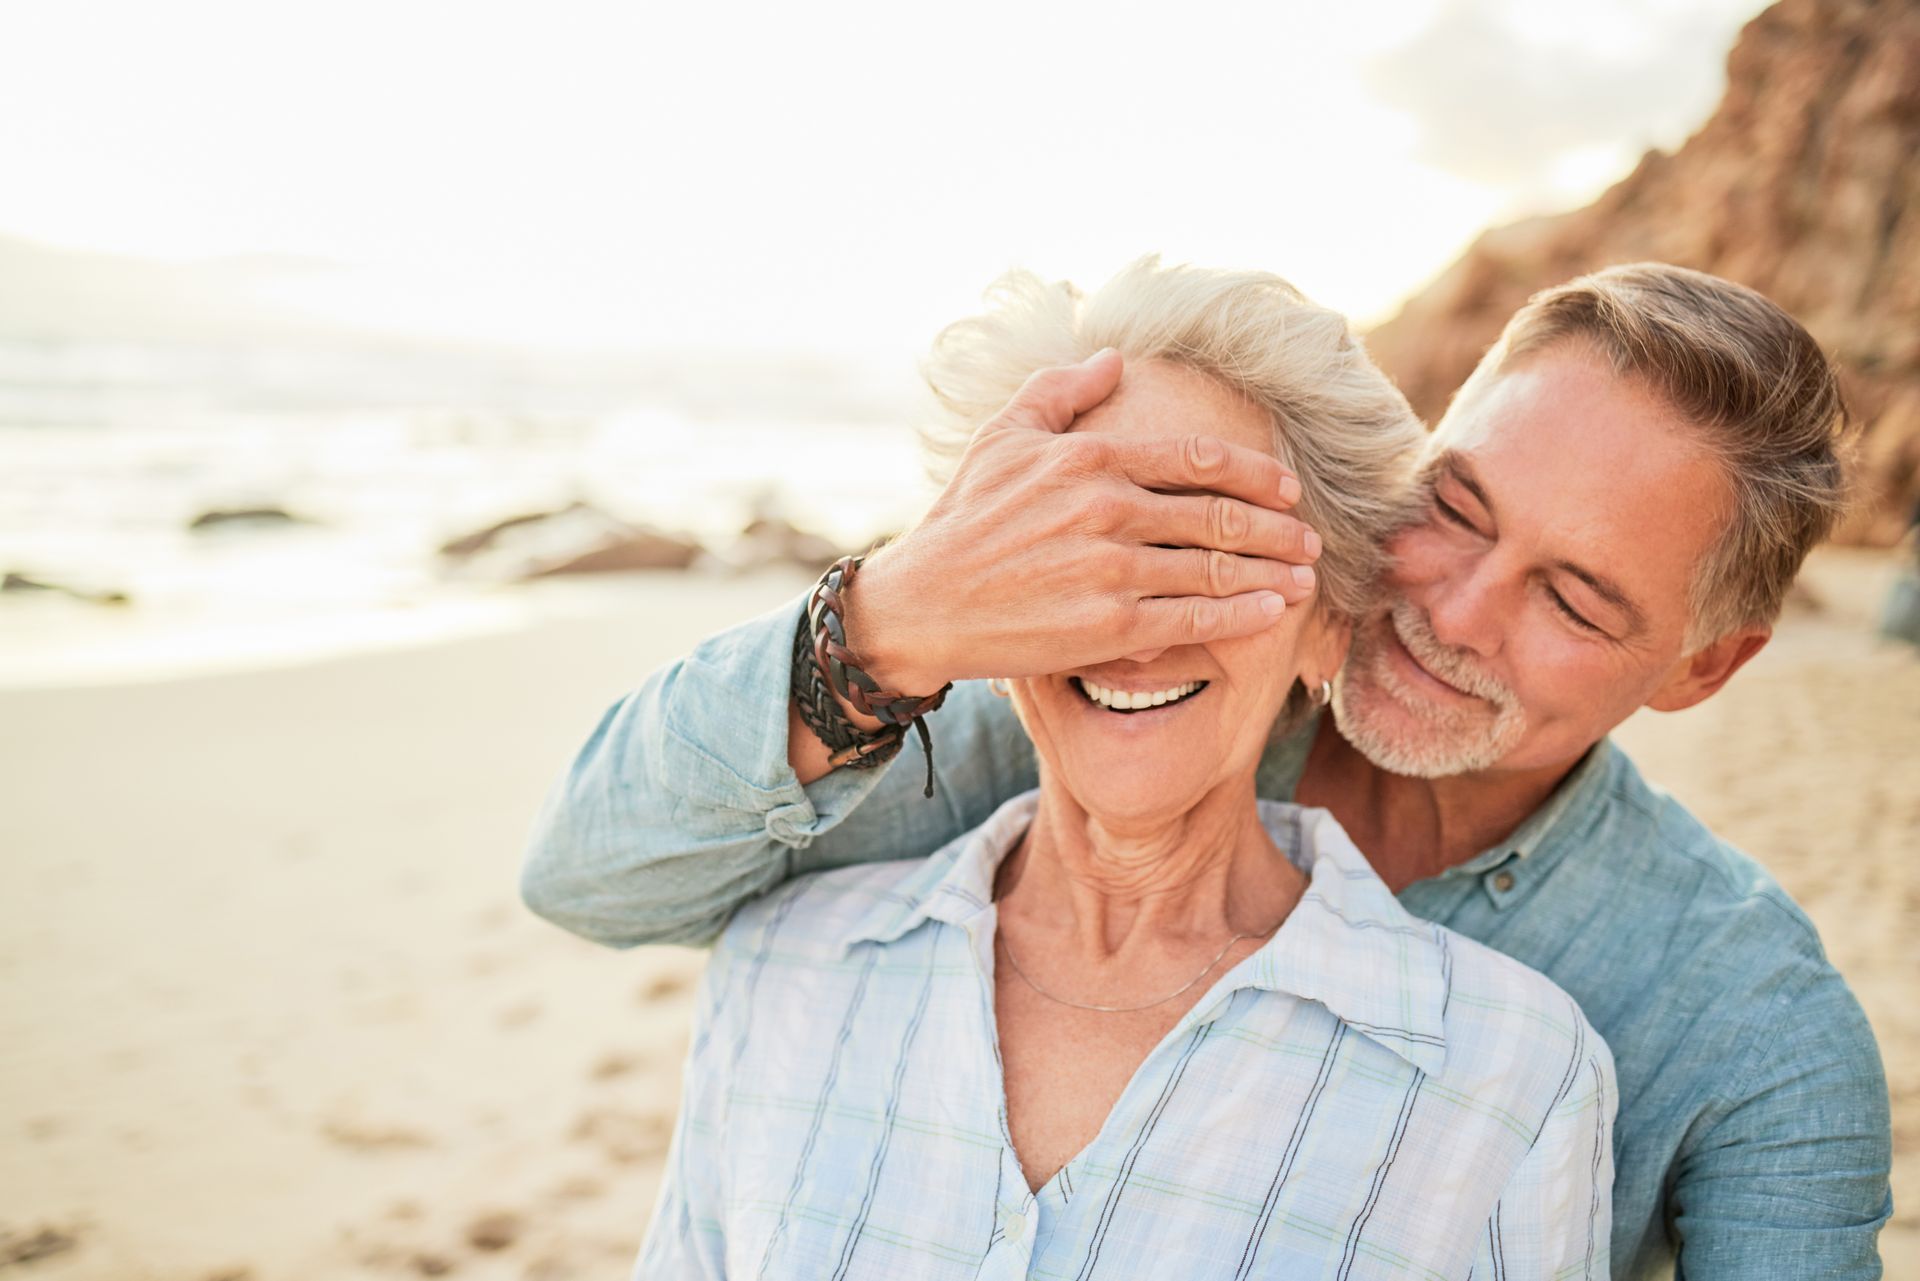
x=581 y=1187
x=660 y=987
x=519 y=1014
x=624 y=1137
x=618 y=1063
x=362 y=1136
x=495 y=1231
x=30 y=1246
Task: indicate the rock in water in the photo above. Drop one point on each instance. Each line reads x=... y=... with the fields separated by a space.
x=641 y=549
x=218 y=517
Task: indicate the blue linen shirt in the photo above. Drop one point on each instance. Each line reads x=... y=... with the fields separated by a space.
x=1754 y=1139
x=1366 y=1095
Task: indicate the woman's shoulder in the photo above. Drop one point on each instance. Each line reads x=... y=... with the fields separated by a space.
x=1508 y=1036
x=822 y=912
x=1510 y=1029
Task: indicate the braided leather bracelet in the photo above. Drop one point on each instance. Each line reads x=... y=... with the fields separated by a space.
x=823 y=666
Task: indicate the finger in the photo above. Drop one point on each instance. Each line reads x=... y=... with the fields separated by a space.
x=1193 y=571
x=1194 y=620
x=1224 y=524
x=1208 y=462
x=1052 y=398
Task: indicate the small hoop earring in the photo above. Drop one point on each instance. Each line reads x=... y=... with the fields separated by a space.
x=1001 y=686
x=1322 y=696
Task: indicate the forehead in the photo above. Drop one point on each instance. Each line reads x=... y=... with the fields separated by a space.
x=1158 y=398
x=1593 y=466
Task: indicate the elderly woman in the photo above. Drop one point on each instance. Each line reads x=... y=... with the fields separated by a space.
x=1141 y=1023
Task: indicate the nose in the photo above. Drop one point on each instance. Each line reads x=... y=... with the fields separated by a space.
x=1467 y=609
x=1146 y=655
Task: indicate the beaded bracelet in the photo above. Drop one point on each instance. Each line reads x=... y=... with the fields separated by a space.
x=824 y=666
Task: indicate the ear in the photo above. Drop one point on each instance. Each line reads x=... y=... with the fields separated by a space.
x=1700 y=674
x=1323 y=648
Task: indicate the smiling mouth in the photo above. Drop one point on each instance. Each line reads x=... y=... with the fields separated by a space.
x=1128 y=703
x=1413 y=660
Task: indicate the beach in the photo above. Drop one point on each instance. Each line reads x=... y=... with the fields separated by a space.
x=270 y=1006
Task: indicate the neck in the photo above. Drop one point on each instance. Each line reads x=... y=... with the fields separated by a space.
x=1414 y=828
x=1105 y=888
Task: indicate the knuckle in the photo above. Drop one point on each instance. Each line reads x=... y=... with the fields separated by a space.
x=1206 y=457
x=1228 y=522
x=1223 y=572
x=1196 y=620
x=1102 y=512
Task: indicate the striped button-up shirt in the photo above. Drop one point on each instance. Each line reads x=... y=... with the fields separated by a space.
x=1366 y=1095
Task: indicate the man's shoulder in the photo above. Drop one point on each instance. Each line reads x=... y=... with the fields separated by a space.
x=1659 y=858
x=1660 y=925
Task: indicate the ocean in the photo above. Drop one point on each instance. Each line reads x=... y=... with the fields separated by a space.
x=380 y=453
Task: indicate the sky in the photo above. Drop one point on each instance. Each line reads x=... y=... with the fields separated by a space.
x=835 y=176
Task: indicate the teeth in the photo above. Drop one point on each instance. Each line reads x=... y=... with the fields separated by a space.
x=1130 y=700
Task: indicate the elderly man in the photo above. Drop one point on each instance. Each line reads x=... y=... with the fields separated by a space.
x=1611 y=512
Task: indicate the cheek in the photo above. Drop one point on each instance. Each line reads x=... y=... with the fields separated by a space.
x=1421 y=554
x=1261 y=667
x=1563 y=680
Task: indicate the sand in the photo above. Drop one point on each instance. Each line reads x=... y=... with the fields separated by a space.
x=270 y=1007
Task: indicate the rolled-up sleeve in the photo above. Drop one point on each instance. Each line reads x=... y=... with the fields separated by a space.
x=681 y=804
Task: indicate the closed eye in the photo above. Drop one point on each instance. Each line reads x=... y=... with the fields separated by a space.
x=1572 y=614
x=1449 y=512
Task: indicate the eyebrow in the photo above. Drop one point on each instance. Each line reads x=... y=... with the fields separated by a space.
x=1460 y=469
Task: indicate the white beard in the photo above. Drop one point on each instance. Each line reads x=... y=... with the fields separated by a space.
x=1400 y=728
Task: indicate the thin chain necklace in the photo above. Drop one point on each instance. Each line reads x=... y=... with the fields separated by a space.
x=1001 y=938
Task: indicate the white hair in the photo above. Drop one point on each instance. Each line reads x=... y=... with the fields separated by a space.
x=1338 y=421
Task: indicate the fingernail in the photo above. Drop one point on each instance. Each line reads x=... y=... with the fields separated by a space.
x=1273 y=605
x=1096 y=355
x=1303 y=575
x=1312 y=543
x=1289 y=490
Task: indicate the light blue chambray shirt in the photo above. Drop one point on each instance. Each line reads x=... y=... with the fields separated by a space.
x=1366 y=1095
x=1753 y=1141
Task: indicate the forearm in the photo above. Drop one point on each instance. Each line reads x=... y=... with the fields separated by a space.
x=683 y=803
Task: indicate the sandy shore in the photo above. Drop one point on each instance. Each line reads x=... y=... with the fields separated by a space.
x=270 y=1008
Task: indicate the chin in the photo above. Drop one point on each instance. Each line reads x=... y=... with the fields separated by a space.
x=1130 y=792
x=1420 y=740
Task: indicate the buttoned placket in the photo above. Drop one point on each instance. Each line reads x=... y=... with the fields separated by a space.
x=1016 y=1211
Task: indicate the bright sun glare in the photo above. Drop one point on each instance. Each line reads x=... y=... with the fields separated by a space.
x=599 y=172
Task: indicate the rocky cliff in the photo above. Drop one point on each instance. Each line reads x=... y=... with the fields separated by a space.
x=1804 y=184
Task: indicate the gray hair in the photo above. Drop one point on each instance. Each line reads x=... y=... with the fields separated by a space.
x=1765 y=398
x=1338 y=422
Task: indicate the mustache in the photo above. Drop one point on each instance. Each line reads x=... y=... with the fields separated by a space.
x=1449 y=664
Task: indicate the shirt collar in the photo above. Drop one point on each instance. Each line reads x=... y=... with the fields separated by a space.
x=1577 y=794
x=1348 y=944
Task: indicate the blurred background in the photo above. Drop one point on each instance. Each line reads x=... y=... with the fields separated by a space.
x=385 y=389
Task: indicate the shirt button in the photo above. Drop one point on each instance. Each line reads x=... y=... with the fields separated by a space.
x=1015 y=1225
x=1503 y=881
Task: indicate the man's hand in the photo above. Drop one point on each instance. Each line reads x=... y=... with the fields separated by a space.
x=1049 y=550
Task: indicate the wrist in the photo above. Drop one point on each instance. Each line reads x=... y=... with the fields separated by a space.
x=876 y=615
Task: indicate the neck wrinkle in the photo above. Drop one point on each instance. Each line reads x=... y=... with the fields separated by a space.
x=1106 y=893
